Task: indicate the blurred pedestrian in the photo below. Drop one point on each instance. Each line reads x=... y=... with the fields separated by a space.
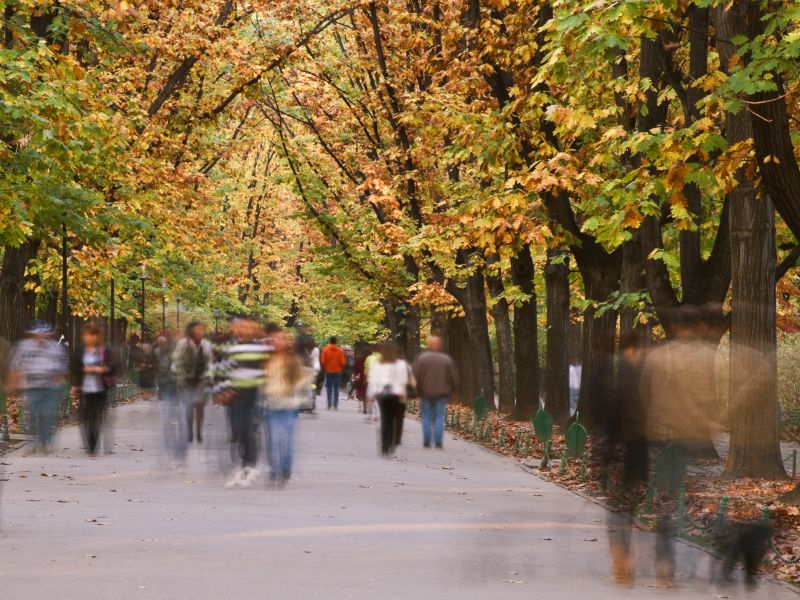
x=285 y=391
x=165 y=381
x=679 y=389
x=359 y=375
x=240 y=374
x=626 y=432
x=436 y=377
x=333 y=361
x=93 y=368
x=388 y=381
x=39 y=370
x=191 y=365
x=374 y=357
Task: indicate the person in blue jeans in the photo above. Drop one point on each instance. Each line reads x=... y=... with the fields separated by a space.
x=286 y=387
x=333 y=361
x=435 y=373
x=39 y=369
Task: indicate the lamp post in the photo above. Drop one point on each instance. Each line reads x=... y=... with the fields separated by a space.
x=143 y=278
x=178 y=314
x=163 y=305
x=64 y=286
x=111 y=316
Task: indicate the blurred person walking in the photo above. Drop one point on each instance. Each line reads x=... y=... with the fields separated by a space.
x=285 y=390
x=359 y=374
x=192 y=360
x=388 y=381
x=626 y=431
x=333 y=361
x=371 y=406
x=39 y=369
x=240 y=374
x=436 y=377
x=165 y=381
x=679 y=389
x=93 y=369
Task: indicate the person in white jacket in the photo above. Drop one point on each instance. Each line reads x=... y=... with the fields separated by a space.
x=388 y=384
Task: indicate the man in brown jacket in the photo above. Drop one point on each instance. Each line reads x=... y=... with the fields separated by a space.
x=436 y=377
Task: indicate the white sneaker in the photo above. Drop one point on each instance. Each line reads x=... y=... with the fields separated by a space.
x=251 y=474
x=237 y=480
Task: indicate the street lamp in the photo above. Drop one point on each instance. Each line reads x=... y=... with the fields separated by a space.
x=163 y=305
x=143 y=278
x=64 y=288
x=178 y=314
x=111 y=316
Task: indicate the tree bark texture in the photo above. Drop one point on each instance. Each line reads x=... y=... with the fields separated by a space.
x=597 y=351
x=526 y=347
x=505 y=345
x=753 y=411
x=556 y=385
x=17 y=305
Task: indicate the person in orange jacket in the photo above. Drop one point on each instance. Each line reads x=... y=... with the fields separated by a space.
x=333 y=362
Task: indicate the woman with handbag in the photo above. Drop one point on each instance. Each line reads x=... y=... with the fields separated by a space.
x=93 y=369
x=388 y=386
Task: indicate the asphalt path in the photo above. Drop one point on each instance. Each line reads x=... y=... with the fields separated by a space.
x=454 y=523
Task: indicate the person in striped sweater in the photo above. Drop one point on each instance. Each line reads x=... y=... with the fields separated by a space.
x=239 y=374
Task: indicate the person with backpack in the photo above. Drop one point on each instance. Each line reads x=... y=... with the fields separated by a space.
x=93 y=370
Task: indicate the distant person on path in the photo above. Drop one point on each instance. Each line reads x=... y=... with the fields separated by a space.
x=374 y=357
x=93 y=368
x=388 y=381
x=39 y=369
x=165 y=381
x=191 y=365
x=333 y=361
x=285 y=390
x=359 y=374
x=240 y=373
x=436 y=377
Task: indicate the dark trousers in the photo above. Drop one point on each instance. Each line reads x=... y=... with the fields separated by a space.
x=93 y=407
x=332 y=383
x=242 y=417
x=398 y=425
x=390 y=413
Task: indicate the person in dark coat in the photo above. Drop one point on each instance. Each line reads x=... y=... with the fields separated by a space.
x=93 y=370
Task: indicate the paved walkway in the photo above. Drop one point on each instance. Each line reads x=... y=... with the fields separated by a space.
x=459 y=523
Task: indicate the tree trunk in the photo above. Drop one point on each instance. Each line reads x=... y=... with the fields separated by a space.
x=631 y=281
x=505 y=345
x=753 y=412
x=480 y=348
x=412 y=341
x=597 y=350
x=17 y=305
x=556 y=385
x=458 y=346
x=526 y=347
